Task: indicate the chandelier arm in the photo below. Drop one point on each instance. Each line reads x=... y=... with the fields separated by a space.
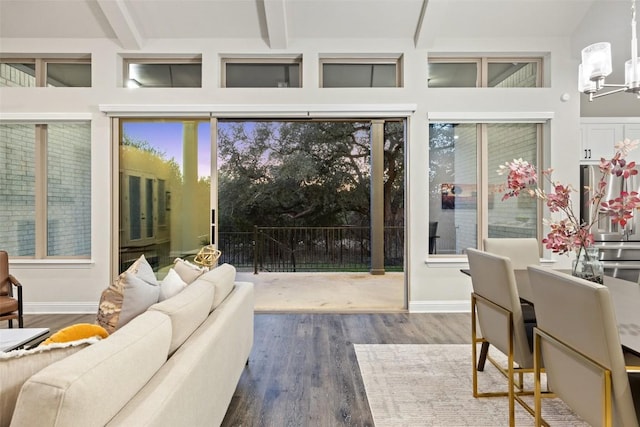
x=599 y=95
x=613 y=85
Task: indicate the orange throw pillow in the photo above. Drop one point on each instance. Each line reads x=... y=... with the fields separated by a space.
x=77 y=332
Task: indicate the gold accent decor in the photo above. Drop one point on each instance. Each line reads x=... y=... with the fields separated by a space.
x=207 y=256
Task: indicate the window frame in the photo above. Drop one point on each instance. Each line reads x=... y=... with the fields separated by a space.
x=283 y=60
x=159 y=60
x=40 y=189
x=364 y=60
x=483 y=67
x=41 y=64
x=482 y=178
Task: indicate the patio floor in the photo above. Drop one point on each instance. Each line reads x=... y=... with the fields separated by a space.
x=327 y=292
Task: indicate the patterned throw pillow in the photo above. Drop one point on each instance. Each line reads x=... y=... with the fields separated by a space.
x=130 y=294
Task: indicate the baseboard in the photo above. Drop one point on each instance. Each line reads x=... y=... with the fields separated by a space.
x=60 y=307
x=455 y=306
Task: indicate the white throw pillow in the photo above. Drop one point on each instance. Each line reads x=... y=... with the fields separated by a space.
x=187 y=270
x=138 y=296
x=171 y=285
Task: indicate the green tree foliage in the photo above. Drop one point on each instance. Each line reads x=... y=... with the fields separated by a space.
x=304 y=174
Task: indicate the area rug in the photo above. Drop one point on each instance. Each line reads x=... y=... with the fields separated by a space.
x=430 y=385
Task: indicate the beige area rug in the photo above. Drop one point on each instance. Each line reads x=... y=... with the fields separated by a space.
x=327 y=292
x=430 y=385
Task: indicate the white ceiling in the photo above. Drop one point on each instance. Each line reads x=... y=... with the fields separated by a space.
x=281 y=23
x=284 y=21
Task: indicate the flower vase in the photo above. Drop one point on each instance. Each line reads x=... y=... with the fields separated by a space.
x=588 y=266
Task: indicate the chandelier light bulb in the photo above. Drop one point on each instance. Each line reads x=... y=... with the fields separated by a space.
x=630 y=80
x=585 y=84
x=596 y=60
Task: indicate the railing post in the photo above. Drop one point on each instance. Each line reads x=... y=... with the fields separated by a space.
x=255 y=249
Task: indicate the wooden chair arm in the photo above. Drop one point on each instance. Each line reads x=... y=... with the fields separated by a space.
x=14 y=281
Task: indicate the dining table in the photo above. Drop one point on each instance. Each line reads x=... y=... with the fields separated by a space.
x=625 y=296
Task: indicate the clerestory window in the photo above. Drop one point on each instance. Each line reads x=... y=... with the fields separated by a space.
x=360 y=72
x=46 y=72
x=447 y=72
x=285 y=72
x=163 y=72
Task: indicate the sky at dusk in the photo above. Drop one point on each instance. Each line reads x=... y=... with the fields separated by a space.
x=167 y=137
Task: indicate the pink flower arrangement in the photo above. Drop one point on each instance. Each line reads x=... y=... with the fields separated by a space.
x=570 y=233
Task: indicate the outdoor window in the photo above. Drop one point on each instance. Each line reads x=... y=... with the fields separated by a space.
x=150 y=73
x=463 y=198
x=360 y=73
x=485 y=72
x=45 y=72
x=45 y=171
x=262 y=72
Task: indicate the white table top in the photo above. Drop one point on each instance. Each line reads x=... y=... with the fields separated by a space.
x=13 y=338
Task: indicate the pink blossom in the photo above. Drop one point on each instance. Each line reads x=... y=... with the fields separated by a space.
x=569 y=233
x=521 y=175
x=621 y=208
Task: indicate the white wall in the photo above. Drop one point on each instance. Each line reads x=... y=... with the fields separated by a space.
x=51 y=286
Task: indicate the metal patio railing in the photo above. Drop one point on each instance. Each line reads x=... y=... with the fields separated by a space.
x=296 y=249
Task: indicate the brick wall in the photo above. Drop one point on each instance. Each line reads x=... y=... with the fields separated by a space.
x=69 y=189
x=12 y=77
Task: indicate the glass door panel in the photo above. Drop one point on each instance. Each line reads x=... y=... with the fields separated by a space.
x=164 y=164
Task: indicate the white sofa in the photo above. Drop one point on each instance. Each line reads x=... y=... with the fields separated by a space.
x=176 y=364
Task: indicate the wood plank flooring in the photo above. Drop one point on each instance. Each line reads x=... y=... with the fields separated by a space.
x=303 y=369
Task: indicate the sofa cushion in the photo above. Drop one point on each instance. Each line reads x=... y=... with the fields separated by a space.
x=187 y=311
x=89 y=387
x=129 y=295
x=222 y=277
x=188 y=271
x=18 y=366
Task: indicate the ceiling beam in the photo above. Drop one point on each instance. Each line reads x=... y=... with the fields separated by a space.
x=122 y=23
x=276 y=17
x=429 y=23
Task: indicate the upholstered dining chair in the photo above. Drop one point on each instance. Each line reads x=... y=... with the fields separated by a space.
x=577 y=337
x=10 y=306
x=522 y=252
x=495 y=306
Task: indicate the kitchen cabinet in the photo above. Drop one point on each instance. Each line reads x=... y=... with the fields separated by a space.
x=598 y=140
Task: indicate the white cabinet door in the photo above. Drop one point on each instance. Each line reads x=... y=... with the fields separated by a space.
x=598 y=141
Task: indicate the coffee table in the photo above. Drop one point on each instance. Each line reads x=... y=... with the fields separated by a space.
x=14 y=338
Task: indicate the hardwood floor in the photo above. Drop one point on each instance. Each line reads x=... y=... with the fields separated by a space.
x=303 y=369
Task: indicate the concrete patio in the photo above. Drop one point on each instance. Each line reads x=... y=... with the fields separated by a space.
x=327 y=292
